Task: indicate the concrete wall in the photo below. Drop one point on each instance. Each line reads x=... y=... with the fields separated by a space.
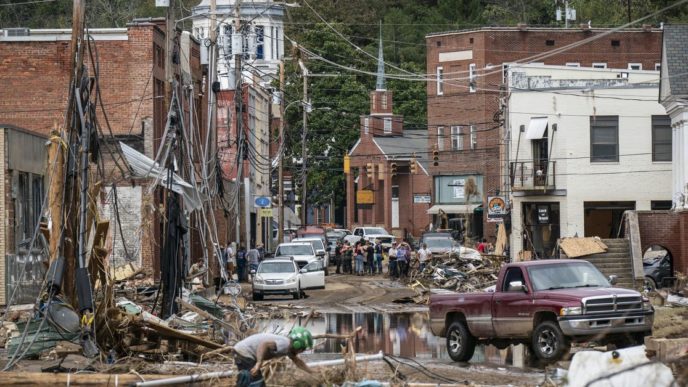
x=635 y=177
x=668 y=229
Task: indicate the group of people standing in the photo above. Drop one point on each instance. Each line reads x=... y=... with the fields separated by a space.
x=366 y=257
x=239 y=261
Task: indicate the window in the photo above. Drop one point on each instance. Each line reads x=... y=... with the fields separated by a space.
x=260 y=40
x=572 y=64
x=474 y=137
x=658 y=67
x=456 y=138
x=616 y=43
x=471 y=78
x=384 y=101
x=549 y=42
x=505 y=73
x=658 y=205
x=366 y=125
x=440 y=81
x=440 y=138
x=604 y=138
x=599 y=65
x=388 y=125
x=635 y=66
x=277 y=41
x=661 y=138
x=273 y=54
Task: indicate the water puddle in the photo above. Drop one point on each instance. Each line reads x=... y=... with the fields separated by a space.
x=397 y=334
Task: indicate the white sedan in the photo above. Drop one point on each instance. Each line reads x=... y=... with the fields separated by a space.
x=281 y=276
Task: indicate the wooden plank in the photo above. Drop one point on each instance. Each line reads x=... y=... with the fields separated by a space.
x=578 y=247
x=22 y=378
x=166 y=331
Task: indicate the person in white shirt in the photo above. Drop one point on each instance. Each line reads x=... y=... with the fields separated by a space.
x=423 y=256
x=231 y=260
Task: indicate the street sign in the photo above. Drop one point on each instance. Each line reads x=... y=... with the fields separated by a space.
x=263 y=201
x=365 y=196
x=265 y=212
x=496 y=209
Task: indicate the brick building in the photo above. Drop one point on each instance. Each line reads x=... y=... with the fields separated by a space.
x=387 y=182
x=465 y=112
x=22 y=186
x=35 y=65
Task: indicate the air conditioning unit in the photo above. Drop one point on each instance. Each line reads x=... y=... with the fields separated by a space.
x=11 y=32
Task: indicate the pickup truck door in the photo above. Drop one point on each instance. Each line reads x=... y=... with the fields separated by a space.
x=512 y=308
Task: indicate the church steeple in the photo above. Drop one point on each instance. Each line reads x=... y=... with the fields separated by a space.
x=380 y=85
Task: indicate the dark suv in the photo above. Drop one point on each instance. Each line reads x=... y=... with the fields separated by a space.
x=658 y=272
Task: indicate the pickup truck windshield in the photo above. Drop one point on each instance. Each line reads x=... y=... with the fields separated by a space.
x=439 y=243
x=295 y=250
x=375 y=231
x=565 y=276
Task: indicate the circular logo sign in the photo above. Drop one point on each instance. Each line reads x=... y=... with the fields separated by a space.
x=262 y=201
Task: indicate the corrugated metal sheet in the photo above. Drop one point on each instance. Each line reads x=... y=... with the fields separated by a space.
x=26 y=151
x=145 y=167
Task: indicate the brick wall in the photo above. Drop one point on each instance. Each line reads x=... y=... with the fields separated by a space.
x=127 y=241
x=488 y=49
x=669 y=230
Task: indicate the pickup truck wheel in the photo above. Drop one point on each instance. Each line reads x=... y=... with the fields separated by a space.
x=460 y=342
x=650 y=284
x=549 y=343
x=297 y=293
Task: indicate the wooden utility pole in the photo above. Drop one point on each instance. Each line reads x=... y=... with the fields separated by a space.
x=280 y=165
x=56 y=189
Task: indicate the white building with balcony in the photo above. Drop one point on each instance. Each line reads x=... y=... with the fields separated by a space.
x=583 y=146
x=260 y=38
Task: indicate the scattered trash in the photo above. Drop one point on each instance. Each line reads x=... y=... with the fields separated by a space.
x=623 y=367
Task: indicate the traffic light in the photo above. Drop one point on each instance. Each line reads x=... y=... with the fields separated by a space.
x=393 y=169
x=369 y=169
x=412 y=165
x=435 y=157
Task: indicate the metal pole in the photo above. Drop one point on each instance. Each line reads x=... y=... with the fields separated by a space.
x=280 y=165
x=304 y=150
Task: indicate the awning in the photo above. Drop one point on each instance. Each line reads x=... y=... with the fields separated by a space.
x=536 y=128
x=453 y=208
x=290 y=218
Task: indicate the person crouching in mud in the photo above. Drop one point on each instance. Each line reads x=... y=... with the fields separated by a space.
x=251 y=352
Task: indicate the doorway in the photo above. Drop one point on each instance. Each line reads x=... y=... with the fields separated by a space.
x=603 y=219
x=541 y=229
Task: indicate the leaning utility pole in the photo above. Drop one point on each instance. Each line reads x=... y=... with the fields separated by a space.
x=237 y=50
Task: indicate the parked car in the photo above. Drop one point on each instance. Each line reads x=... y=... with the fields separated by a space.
x=302 y=252
x=440 y=243
x=320 y=250
x=337 y=234
x=545 y=304
x=282 y=276
x=371 y=234
x=658 y=270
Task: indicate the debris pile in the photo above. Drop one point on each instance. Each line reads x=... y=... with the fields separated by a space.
x=466 y=272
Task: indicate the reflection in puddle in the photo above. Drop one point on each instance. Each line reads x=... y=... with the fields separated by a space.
x=397 y=334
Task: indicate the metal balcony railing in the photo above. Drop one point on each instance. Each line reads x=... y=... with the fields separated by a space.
x=532 y=175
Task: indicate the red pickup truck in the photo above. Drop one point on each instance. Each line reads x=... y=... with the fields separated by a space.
x=546 y=305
